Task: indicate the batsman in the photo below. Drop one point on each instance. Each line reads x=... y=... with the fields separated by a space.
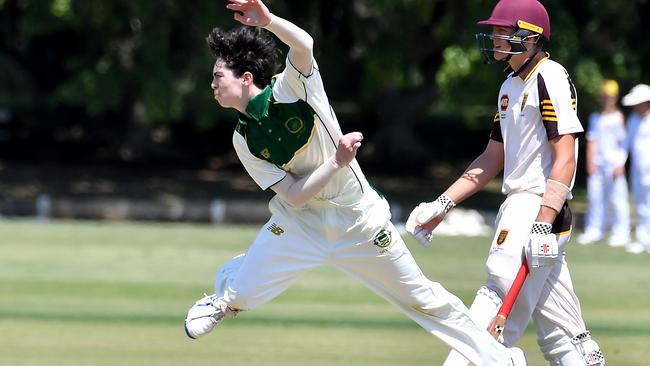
x=533 y=141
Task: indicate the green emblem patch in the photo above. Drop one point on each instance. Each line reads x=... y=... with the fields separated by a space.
x=383 y=238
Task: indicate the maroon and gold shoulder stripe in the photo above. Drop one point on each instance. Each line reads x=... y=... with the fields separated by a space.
x=548 y=111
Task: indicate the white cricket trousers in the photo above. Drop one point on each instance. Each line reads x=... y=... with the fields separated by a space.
x=603 y=192
x=547 y=294
x=297 y=240
x=641 y=192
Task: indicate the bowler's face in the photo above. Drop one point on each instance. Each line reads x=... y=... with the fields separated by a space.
x=227 y=89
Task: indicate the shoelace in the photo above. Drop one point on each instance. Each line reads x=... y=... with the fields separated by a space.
x=222 y=306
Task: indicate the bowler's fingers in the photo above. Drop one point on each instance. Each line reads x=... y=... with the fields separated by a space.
x=236 y=8
x=358 y=136
x=351 y=139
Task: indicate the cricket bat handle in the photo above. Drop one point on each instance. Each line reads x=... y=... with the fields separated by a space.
x=499 y=322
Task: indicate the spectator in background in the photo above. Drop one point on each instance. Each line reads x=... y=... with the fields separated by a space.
x=606 y=183
x=638 y=143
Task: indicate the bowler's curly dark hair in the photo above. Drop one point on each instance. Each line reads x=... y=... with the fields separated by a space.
x=246 y=49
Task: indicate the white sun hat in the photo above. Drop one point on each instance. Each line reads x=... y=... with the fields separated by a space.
x=638 y=95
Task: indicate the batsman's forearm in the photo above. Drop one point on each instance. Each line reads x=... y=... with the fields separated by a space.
x=546 y=214
x=477 y=176
x=564 y=159
x=558 y=183
x=563 y=170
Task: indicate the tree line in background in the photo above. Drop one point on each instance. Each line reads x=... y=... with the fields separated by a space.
x=129 y=80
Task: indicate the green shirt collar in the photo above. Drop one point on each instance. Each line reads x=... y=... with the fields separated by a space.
x=258 y=106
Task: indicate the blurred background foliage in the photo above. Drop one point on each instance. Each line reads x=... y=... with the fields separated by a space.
x=128 y=80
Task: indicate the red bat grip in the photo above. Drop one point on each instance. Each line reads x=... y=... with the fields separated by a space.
x=509 y=301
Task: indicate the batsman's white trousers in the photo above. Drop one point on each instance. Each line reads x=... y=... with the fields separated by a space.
x=297 y=240
x=602 y=191
x=547 y=294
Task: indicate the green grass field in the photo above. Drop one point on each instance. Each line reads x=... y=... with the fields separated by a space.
x=80 y=293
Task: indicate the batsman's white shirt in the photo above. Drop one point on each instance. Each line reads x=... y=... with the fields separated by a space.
x=532 y=109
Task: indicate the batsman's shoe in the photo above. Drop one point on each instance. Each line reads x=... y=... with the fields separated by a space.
x=205 y=314
x=517 y=357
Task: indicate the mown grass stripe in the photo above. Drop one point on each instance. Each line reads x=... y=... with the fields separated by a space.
x=284 y=321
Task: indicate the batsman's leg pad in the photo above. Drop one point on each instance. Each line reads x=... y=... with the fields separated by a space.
x=484 y=308
x=588 y=349
x=226 y=273
x=580 y=350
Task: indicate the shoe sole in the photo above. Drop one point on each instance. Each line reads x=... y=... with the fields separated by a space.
x=187 y=331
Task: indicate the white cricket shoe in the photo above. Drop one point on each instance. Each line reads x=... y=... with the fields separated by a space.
x=517 y=357
x=205 y=314
x=590 y=237
x=618 y=240
x=637 y=248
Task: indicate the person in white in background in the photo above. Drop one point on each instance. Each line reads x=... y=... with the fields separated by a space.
x=324 y=210
x=638 y=144
x=606 y=182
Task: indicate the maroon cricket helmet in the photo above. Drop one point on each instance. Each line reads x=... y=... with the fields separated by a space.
x=521 y=14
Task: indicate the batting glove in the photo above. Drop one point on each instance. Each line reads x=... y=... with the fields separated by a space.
x=542 y=245
x=426 y=216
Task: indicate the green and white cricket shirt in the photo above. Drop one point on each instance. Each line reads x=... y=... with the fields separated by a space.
x=292 y=128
